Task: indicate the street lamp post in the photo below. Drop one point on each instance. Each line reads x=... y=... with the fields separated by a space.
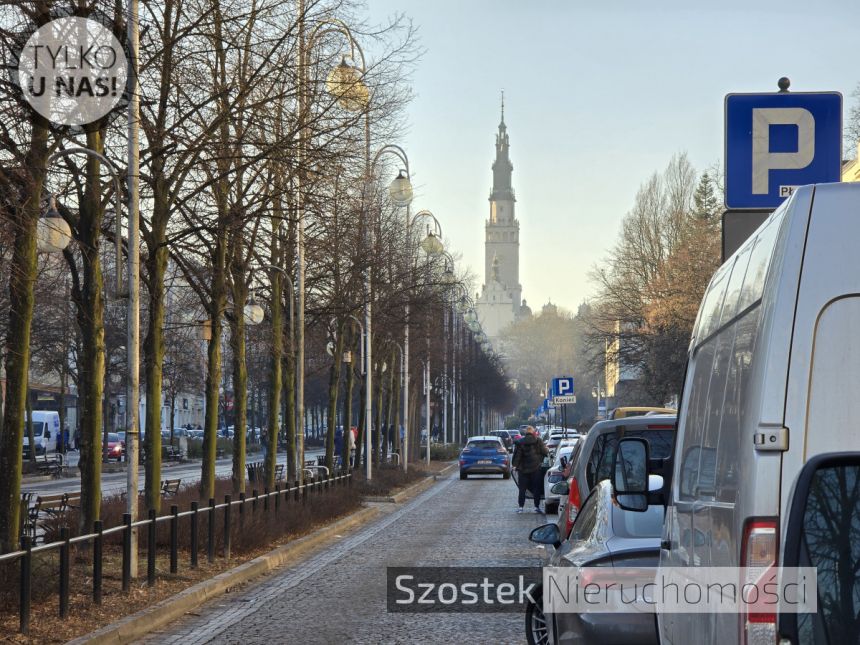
x=597 y=393
x=400 y=192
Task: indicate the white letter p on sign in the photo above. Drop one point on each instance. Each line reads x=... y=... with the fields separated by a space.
x=763 y=160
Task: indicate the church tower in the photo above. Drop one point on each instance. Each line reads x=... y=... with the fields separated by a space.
x=500 y=301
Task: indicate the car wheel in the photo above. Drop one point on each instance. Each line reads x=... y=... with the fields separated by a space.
x=464 y=476
x=506 y=475
x=551 y=508
x=536 y=622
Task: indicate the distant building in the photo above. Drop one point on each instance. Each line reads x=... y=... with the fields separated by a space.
x=851 y=168
x=621 y=375
x=500 y=302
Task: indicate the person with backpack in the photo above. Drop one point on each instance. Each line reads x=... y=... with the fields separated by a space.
x=529 y=453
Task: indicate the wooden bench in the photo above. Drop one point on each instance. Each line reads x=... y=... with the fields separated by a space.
x=169 y=487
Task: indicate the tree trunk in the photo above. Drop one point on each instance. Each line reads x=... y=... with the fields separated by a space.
x=240 y=379
x=379 y=435
x=275 y=379
x=91 y=322
x=153 y=359
x=22 y=276
x=359 y=440
x=213 y=371
x=31 y=436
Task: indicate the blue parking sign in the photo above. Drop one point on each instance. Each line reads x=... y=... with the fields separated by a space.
x=562 y=386
x=776 y=142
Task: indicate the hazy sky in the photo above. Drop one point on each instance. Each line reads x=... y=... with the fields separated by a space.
x=598 y=95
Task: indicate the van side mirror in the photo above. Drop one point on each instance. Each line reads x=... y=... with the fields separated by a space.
x=822 y=532
x=630 y=474
x=47 y=434
x=563 y=461
x=546 y=534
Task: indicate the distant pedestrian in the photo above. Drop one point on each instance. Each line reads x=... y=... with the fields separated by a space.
x=338 y=442
x=391 y=435
x=528 y=457
x=351 y=439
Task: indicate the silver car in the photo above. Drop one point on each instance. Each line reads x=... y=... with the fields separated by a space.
x=593 y=460
x=603 y=535
x=555 y=474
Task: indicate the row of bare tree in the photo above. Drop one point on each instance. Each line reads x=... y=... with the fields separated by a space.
x=240 y=142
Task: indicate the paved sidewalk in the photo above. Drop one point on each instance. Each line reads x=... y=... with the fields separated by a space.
x=338 y=594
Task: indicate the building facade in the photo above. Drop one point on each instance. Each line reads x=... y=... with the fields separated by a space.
x=500 y=301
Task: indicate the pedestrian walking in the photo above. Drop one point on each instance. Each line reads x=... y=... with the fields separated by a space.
x=528 y=457
x=338 y=443
x=351 y=439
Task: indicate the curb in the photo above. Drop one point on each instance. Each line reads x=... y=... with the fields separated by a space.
x=147 y=620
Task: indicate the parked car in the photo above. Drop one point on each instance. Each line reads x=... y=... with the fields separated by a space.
x=506 y=438
x=604 y=535
x=46 y=430
x=555 y=473
x=115 y=447
x=557 y=436
x=767 y=422
x=485 y=455
x=595 y=458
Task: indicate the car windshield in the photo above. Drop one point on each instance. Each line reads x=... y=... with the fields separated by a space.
x=113 y=437
x=483 y=445
x=633 y=524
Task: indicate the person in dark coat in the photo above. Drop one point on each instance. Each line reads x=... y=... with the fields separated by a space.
x=528 y=457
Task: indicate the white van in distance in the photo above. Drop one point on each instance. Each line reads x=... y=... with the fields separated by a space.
x=46 y=432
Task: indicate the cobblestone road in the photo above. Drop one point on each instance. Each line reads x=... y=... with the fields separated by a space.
x=337 y=595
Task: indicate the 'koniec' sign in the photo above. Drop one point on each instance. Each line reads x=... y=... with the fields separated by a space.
x=73 y=71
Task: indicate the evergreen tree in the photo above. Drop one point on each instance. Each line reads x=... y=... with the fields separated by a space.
x=705 y=200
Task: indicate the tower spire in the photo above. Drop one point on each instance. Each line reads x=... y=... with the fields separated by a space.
x=503 y=107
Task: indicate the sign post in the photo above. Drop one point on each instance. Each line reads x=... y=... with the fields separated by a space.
x=775 y=142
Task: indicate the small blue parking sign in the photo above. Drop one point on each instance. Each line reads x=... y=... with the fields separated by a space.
x=778 y=141
x=562 y=386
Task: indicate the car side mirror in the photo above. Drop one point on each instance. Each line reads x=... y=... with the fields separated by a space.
x=630 y=474
x=546 y=534
x=560 y=488
x=563 y=461
x=821 y=533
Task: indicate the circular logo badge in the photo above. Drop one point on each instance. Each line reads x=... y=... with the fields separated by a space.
x=73 y=71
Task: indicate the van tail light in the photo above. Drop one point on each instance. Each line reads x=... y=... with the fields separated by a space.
x=573 y=502
x=759 y=559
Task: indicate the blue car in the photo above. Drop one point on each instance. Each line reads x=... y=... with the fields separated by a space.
x=486 y=456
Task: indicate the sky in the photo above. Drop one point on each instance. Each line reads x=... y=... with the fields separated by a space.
x=599 y=95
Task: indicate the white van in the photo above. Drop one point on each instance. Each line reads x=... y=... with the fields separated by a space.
x=772 y=392
x=46 y=433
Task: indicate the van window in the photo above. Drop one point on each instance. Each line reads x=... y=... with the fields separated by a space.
x=712 y=305
x=38 y=428
x=736 y=281
x=753 y=286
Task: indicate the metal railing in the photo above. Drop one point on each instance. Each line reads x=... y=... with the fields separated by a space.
x=270 y=501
